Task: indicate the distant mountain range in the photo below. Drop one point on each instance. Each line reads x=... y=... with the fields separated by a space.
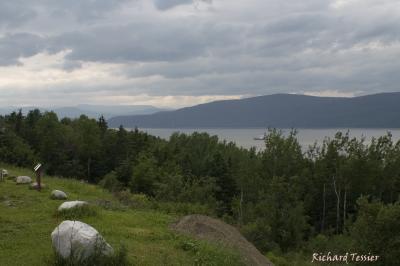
x=278 y=110
x=92 y=111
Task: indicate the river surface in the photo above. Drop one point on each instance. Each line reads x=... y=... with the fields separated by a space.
x=244 y=137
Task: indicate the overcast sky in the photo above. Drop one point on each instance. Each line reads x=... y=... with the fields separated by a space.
x=173 y=53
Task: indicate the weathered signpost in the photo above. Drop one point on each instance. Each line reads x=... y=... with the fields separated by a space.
x=39 y=171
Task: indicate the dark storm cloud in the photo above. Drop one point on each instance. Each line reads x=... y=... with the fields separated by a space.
x=233 y=48
x=135 y=42
x=180 y=39
x=15 y=46
x=13 y=14
x=19 y=12
x=167 y=4
x=82 y=9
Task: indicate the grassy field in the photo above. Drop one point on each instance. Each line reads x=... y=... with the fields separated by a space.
x=27 y=218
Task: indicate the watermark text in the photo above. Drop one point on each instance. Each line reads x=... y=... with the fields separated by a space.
x=345 y=258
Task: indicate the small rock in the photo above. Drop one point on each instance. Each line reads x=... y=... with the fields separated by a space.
x=79 y=240
x=35 y=186
x=58 y=194
x=23 y=180
x=71 y=204
x=8 y=203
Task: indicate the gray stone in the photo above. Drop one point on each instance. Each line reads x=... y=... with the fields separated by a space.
x=59 y=195
x=79 y=240
x=23 y=180
x=71 y=204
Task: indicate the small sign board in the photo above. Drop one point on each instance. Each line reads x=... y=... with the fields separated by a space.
x=37 y=167
x=38 y=171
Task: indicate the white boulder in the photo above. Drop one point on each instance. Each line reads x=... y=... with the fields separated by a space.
x=58 y=194
x=79 y=240
x=23 y=180
x=71 y=204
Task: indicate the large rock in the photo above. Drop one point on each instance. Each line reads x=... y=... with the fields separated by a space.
x=79 y=240
x=23 y=180
x=71 y=204
x=59 y=195
x=211 y=229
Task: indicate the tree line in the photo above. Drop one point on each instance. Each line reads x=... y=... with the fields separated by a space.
x=341 y=194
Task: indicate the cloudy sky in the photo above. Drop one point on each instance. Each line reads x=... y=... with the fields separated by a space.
x=174 y=53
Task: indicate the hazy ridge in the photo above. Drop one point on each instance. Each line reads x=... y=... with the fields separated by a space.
x=92 y=111
x=278 y=110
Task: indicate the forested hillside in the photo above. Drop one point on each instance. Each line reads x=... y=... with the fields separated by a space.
x=339 y=196
x=280 y=111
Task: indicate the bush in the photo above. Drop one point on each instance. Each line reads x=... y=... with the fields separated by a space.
x=15 y=150
x=169 y=188
x=144 y=175
x=289 y=259
x=377 y=230
x=260 y=234
x=207 y=253
x=183 y=208
x=111 y=183
x=338 y=244
x=139 y=201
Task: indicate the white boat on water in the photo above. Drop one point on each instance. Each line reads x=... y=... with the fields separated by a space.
x=260 y=137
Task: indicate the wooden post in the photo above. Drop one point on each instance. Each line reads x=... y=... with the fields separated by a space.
x=38 y=179
x=39 y=170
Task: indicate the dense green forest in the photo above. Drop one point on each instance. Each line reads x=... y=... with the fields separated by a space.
x=342 y=195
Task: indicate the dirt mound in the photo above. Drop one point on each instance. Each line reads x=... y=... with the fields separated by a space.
x=208 y=228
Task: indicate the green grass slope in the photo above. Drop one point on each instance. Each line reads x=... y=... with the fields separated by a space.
x=27 y=218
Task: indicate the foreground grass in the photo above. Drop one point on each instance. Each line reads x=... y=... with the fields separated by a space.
x=27 y=218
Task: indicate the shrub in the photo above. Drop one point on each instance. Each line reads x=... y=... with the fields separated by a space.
x=110 y=182
x=207 y=253
x=144 y=175
x=289 y=259
x=183 y=208
x=139 y=201
x=15 y=150
x=338 y=244
x=376 y=230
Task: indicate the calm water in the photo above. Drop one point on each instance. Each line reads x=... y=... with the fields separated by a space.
x=245 y=137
